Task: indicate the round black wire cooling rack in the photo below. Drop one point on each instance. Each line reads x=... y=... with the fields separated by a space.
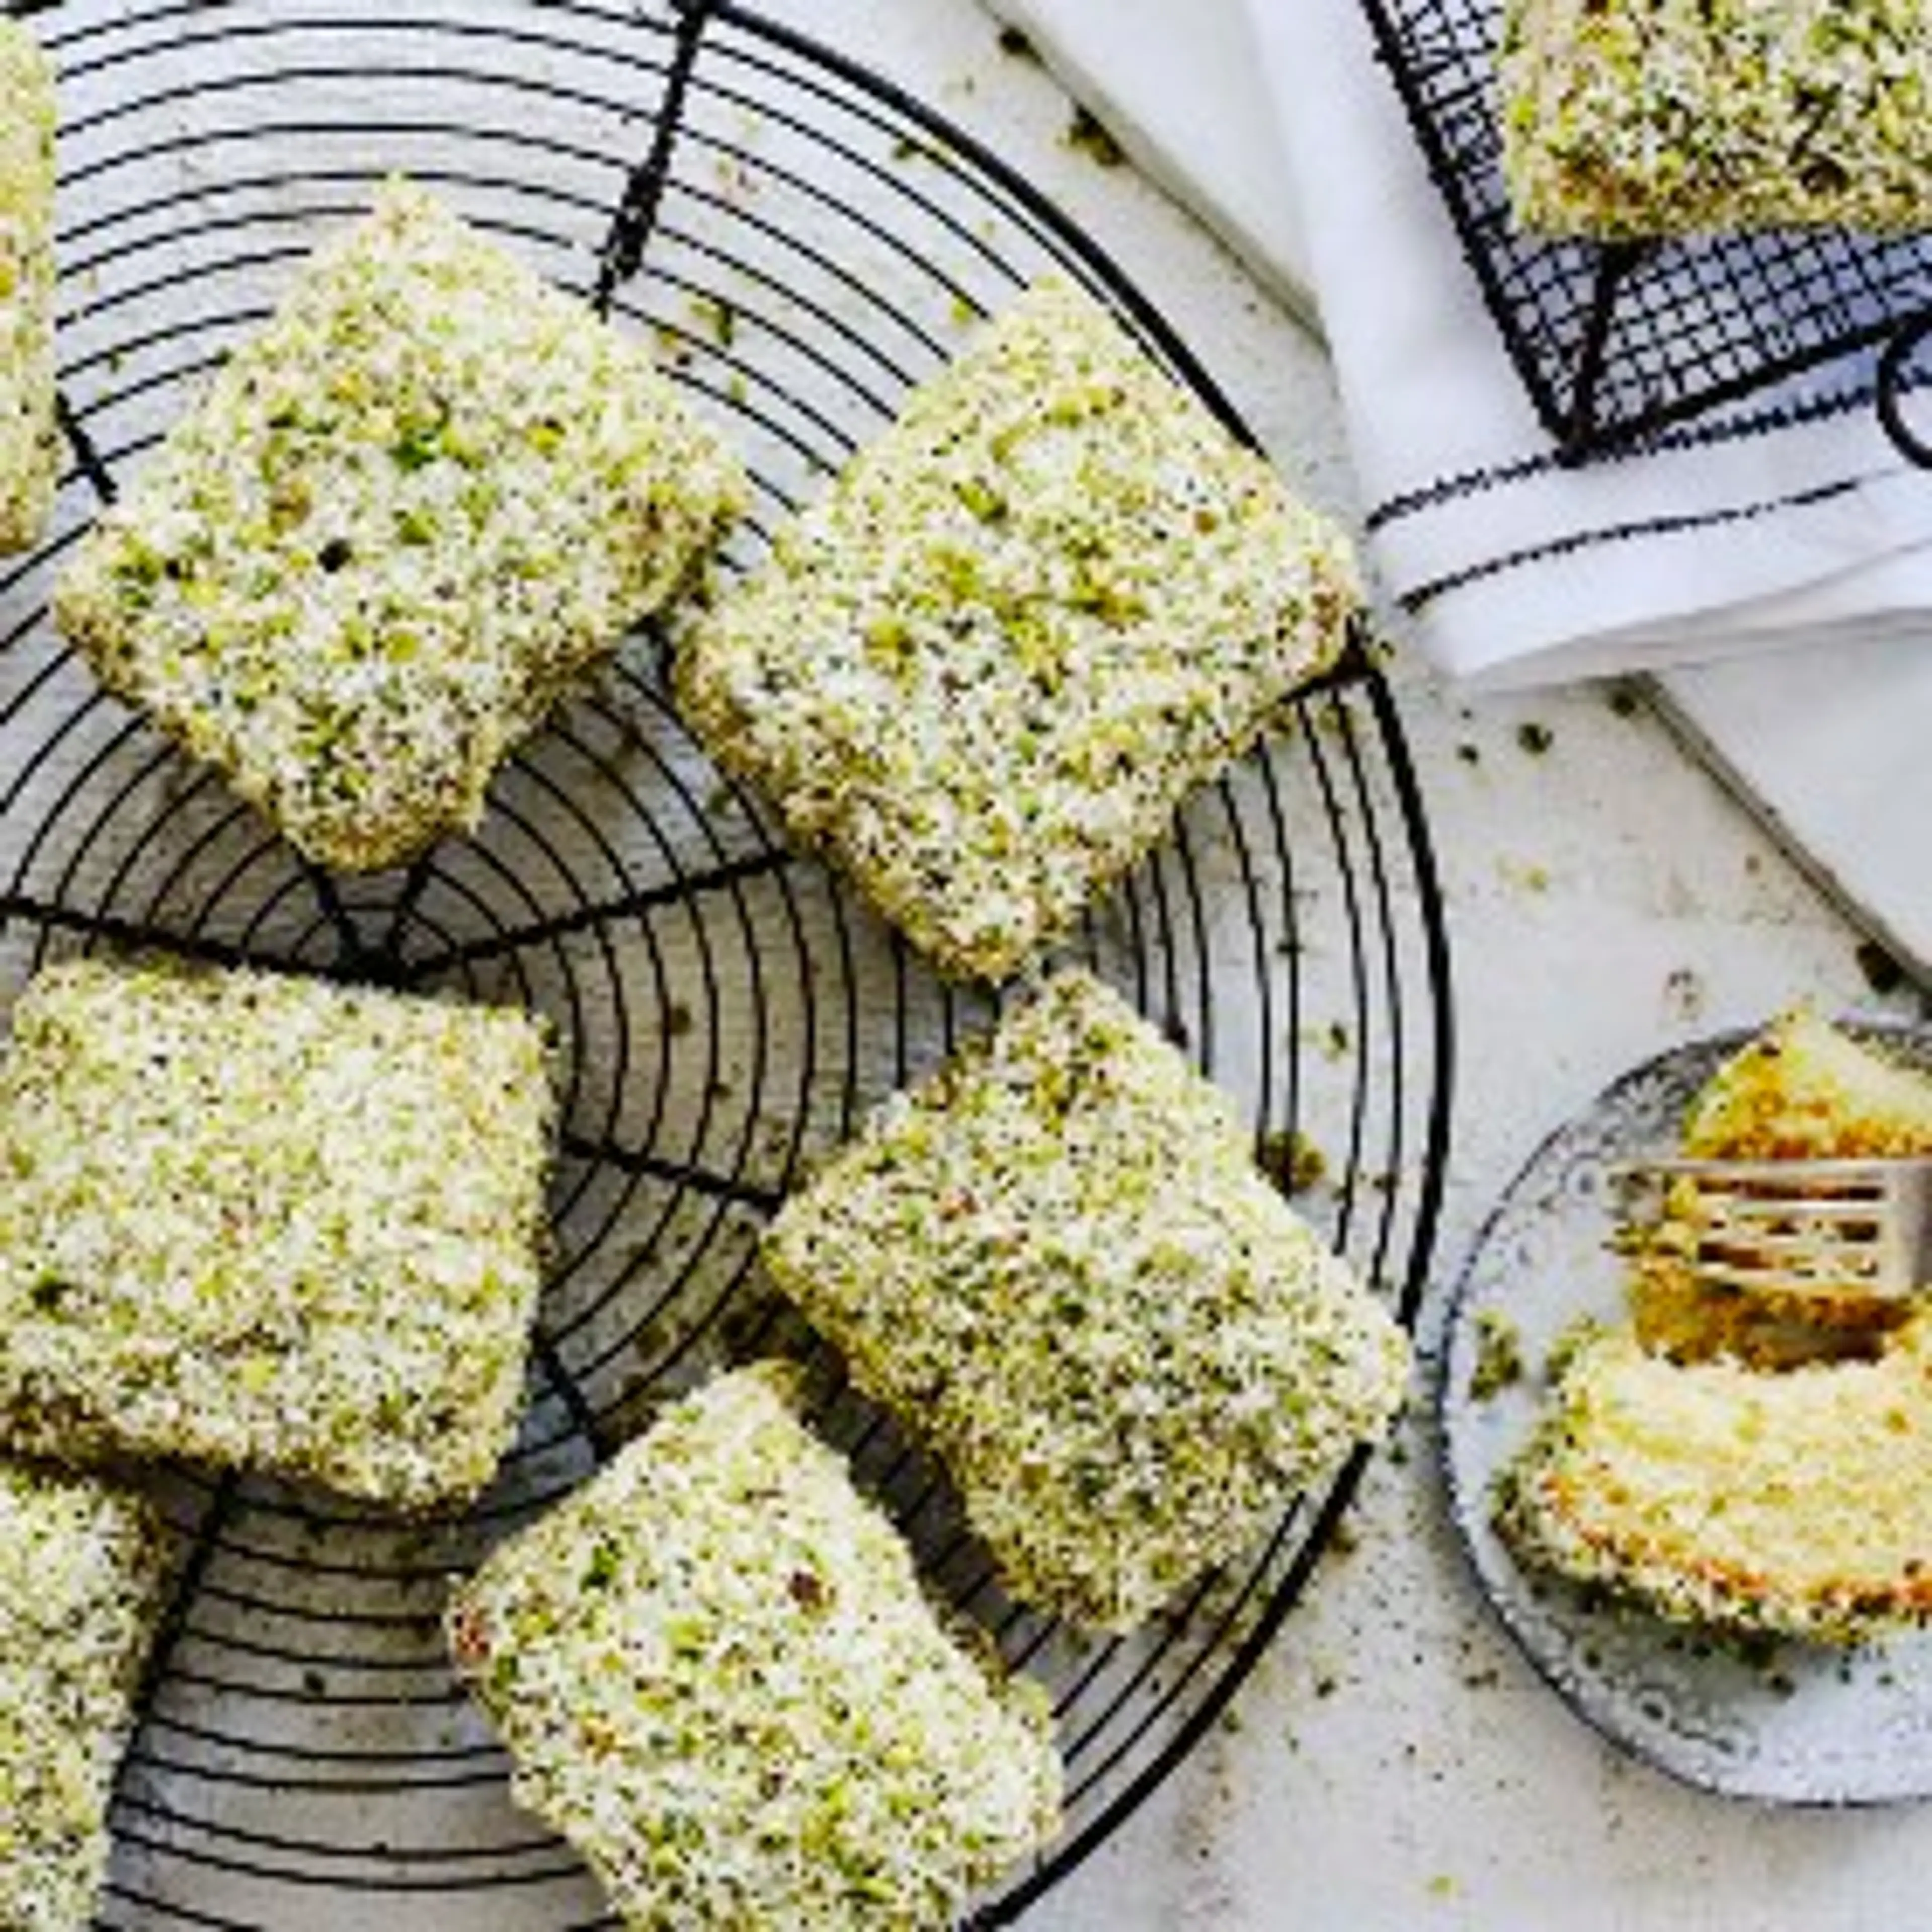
x=803 y=241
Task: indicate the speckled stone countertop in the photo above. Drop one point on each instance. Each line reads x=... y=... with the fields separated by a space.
x=1394 y=1764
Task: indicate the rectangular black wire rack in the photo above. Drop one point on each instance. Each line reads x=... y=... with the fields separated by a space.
x=1614 y=343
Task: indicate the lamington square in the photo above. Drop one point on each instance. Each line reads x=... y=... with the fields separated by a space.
x=1058 y=1263
x=716 y=1675
x=82 y=1568
x=29 y=433
x=983 y=670
x=399 y=523
x=260 y=1221
x=1624 y=119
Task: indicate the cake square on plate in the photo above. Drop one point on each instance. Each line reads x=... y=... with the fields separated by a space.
x=29 y=433
x=399 y=523
x=81 y=1571
x=1058 y=1262
x=1629 y=118
x=716 y=1675
x=1793 y=1502
x=262 y=1221
x=984 y=670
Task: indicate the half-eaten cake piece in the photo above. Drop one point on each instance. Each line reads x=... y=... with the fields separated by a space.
x=398 y=525
x=261 y=1221
x=29 y=434
x=1797 y=1502
x=1625 y=119
x=982 y=673
x=1058 y=1262
x=716 y=1675
x=83 y=1569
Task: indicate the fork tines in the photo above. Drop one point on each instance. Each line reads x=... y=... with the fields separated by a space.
x=1813 y=1227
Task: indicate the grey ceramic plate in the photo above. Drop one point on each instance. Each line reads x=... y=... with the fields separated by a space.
x=1794 y=1723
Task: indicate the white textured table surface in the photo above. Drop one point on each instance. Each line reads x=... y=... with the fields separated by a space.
x=1394 y=1764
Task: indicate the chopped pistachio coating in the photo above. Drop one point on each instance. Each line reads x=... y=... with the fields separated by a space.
x=1629 y=118
x=1797 y=1502
x=260 y=1221
x=397 y=524
x=82 y=1567
x=983 y=671
x=1058 y=1262
x=29 y=435
x=716 y=1675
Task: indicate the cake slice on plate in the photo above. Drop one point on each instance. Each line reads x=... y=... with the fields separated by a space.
x=1797 y=1502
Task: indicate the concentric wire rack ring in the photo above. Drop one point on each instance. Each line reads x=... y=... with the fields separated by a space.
x=804 y=242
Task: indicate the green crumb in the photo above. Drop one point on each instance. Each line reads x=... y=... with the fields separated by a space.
x=1468 y=753
x=1624 y=700
x=1347 y=1540
x=1087 y=135
x=1013 y=41
x=1335 y=1041
x=1292 y=1161
x=718 y=316
x=677 y=1021
x=1534 y=739
x=1499 y=1362
x=1577 y=1336
x=674 y=346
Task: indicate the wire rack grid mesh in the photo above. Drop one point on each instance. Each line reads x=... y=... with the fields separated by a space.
x=803 y=242
x=1615 y=344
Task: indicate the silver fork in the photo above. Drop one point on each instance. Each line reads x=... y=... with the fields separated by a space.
x=1790 y=1227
